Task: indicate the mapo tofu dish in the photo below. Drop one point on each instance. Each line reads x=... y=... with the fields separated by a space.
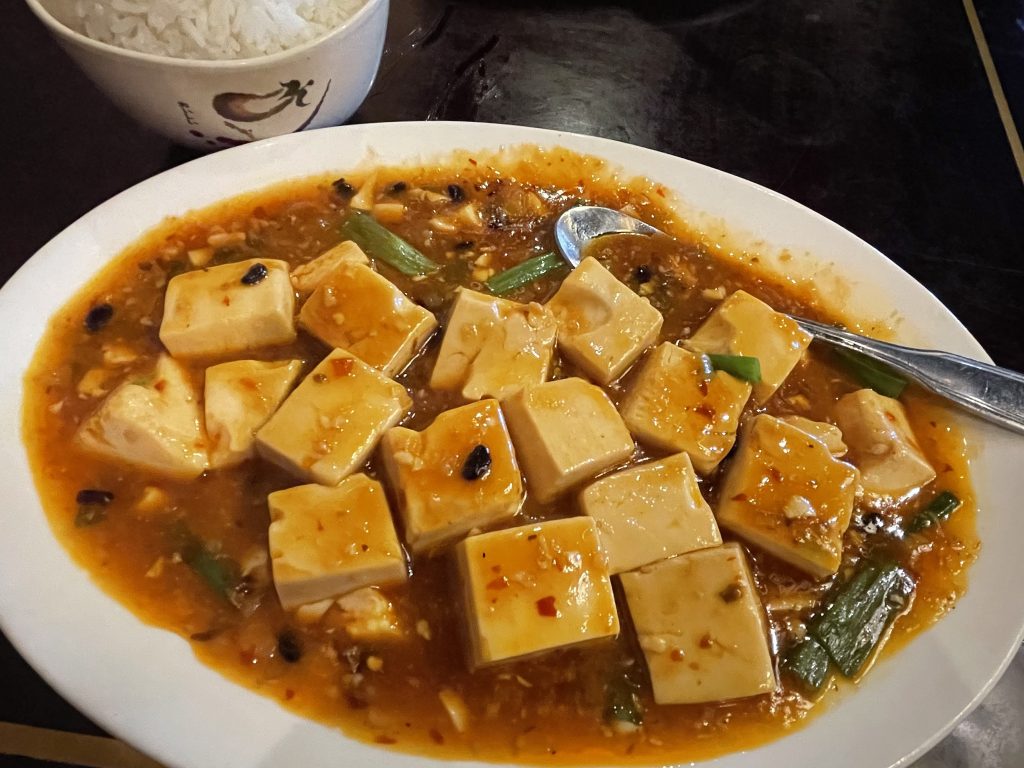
x=379 y=454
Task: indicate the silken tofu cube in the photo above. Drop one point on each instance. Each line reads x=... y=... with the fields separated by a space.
x=326 y=542
x=882 y=444
x=156 y=425
x=230 y=309
x=239 y=398
x=786 y=494
x=458 y=474
x=535 y=588
x=701 y=627
x=649 y=512
x=603 y=326
x=676 y=404
x=565 y=432
x=744 y=325
x=355 y=309
x=306 y=277
x=493 y=347
x=328 y=426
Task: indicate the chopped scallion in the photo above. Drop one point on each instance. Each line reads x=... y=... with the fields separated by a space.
x=524 y=273
x=381 y=243
x=808 y=662
x=938 y=509
x=872 y=373
x=854 y=624
x=740 y=366
x=621 y=702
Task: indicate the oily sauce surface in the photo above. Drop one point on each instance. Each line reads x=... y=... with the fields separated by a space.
x=547 y=709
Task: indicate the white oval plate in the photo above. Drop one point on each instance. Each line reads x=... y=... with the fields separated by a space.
x=145 y=686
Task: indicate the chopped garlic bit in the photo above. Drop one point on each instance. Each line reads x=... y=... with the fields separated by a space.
x=455 y=705
x=798 y=507
x=222 y=239
x=152 y=500
x=200 y=257
x=374 y=663
x=364 y=199
x=423 y=629
x=156 y=569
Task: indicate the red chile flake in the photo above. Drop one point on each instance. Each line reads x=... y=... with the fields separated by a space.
x=257 y=274
x=98 y=317
x=499 y=583
x=546 y=607
x=341 y=366
x=319 y=378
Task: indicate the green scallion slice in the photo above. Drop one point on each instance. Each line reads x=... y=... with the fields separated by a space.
x=854 y=624
x=938 y=509
x=740 y=366
x=872 y=373
x=524 y=273
x=381 y=243
x=808 y=663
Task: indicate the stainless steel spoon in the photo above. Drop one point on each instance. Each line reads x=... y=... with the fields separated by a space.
x=995 y=394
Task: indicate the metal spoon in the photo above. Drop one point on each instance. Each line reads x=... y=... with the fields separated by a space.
x=995 y=394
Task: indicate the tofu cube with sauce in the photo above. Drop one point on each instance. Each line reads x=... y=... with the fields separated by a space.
x=239 y=398
x=326 y=542
x=229 y=309
x=333 y=420
x=458 y=474
x=565 y=432
x=701 y=626
x=356 y=309
x=493 y=347
x=603 y=325
x=154 y=424
x=676 y=404
x=882 y=445
x=650 y=512
x=306 y=277
x=788 y=495
x=744 y=325
x=535 y=588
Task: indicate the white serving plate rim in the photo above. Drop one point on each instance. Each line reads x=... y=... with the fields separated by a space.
x=144 y=684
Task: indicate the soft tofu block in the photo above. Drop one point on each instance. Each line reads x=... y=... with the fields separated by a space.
x=676 y=404
x=829 y=434
x=882 y=444
x=156 y=426
x=744 y=325
x=228 y=310
x=603 y=326
x=493 y=347
x=701 y=627
x=326 y=542
x=565 y=432
x=535 y=588
x=355 y=309
x=239 y=398
x=328 y=426
x=432 y=475
x=649 y=512
x=785 y=493
x=306 y=277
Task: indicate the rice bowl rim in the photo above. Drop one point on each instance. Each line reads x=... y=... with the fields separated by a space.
x=63 y=30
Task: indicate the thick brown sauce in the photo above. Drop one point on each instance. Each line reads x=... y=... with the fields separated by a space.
x=541 y=710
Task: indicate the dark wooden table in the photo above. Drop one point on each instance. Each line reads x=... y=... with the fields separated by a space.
x=894 y=119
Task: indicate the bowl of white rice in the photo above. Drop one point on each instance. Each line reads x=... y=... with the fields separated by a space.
x=215 y=73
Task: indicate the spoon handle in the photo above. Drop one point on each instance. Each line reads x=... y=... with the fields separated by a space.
x=995 y=394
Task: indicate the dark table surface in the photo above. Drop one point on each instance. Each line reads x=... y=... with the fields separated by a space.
x=879 y=115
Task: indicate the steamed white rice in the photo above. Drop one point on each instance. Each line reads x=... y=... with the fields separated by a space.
x=208 y=29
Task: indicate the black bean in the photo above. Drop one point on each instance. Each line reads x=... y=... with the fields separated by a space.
x=463 y=245
x=343 y=188
x=642 y=273
x=870 y=523
x=256 y=274
x=94 y=496
x=397 y=188
x=98 y=317
x=455 y=193
x=288 y=647
x=478 y=463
